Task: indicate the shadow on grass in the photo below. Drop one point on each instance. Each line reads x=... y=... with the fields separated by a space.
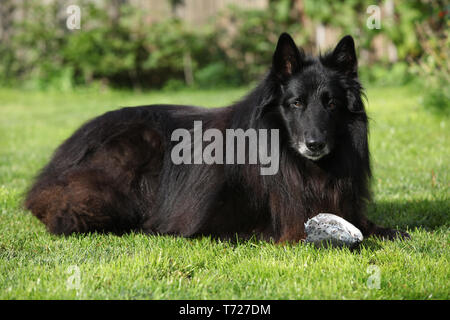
x=426 y=214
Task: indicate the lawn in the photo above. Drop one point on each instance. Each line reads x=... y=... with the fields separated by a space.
x=410 y=151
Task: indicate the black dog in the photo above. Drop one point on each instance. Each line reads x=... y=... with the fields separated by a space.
x=115 y=174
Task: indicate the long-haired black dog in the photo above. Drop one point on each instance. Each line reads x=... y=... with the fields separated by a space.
x=115 y=173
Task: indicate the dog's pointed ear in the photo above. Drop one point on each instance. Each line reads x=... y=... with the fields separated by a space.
x=287 y=58
x=344 y=56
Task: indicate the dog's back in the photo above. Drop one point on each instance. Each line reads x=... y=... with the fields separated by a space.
x=105 y=176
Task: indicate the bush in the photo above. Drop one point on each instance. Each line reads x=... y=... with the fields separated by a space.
x=433 y=67
x=386 y=75
x=234 y=49
x=128 y=53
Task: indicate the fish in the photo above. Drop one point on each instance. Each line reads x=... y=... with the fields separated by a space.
x=327 y=229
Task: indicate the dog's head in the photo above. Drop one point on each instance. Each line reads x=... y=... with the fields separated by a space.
x=317 y=95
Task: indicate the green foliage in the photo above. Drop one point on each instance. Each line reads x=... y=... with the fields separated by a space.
x=125 y=53
x=433 y=67
x=245 y=42
x=345 y=14
x=33 y=53
x=235 y=48
x=386 y=75
x=43 y=52
x=217 y=74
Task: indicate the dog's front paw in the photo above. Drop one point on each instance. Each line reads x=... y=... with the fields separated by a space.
x=392 y=234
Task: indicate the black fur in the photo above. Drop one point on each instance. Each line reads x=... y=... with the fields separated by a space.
x=115 y=174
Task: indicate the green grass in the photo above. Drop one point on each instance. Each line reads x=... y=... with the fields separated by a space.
x=410 y=152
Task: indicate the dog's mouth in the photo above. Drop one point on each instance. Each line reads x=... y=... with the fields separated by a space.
x=309 y=154
x=314 y=156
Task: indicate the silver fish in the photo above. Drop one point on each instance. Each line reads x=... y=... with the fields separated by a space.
x=328 y=229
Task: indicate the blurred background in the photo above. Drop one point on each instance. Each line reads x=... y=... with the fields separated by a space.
x=174 y=44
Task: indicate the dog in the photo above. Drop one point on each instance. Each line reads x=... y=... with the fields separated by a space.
x=115 y=174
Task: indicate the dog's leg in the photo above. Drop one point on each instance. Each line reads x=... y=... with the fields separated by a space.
x=354 y=212
x=369 y=228
x=83 y=201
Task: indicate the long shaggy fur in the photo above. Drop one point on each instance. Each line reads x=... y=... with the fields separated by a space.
x=115 y=174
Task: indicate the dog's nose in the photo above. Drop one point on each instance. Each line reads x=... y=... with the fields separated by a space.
x=315 y=145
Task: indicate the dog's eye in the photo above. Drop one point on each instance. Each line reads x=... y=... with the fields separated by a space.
x=297 y=104
x=332 y=104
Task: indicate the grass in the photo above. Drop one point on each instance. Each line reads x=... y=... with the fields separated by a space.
x=410 y=152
